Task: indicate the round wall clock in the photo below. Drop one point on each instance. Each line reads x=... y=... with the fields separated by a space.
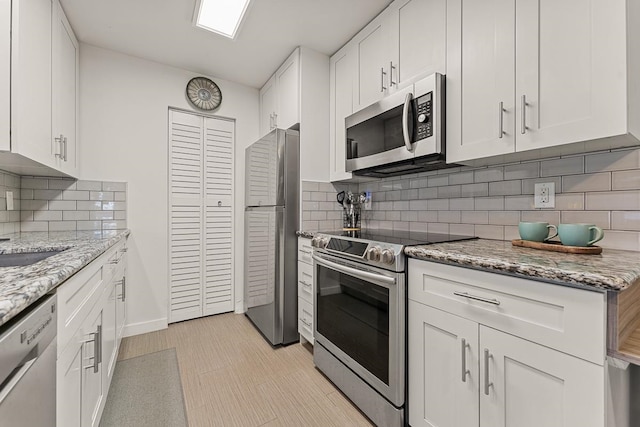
x=203 y=93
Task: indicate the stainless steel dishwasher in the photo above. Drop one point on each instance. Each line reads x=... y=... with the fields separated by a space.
x=28 y=367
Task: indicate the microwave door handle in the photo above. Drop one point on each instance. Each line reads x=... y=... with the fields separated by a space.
x=405 y=121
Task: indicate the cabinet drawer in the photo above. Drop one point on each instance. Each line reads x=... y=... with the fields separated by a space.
x=304 y=250
x=305 y=282
x=305 y=319
x=566 y=319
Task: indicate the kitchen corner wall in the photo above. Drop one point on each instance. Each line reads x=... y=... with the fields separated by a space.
x=9 y=220
x=54 y=204
x=320 y=209
x=599 y=188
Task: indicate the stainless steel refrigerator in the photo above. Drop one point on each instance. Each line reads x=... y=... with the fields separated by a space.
x=270 y=222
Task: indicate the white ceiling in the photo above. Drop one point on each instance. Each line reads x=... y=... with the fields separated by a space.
x=162 y=31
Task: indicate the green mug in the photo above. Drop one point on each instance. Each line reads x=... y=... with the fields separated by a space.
x=536 y=231
x=579 y=234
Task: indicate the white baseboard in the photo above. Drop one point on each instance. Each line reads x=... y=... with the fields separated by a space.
x=145 y=327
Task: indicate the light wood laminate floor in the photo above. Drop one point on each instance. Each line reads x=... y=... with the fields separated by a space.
x=232 y=377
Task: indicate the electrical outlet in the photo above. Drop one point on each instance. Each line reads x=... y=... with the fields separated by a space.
x=367 y=201
x=9 y=195
x=545 y=195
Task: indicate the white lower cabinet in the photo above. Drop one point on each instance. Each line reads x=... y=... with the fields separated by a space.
x=463 y=372
x=90 y=319
x=305 y=289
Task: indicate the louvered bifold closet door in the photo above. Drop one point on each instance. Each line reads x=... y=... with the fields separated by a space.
x=201 y=216
x=218 y=174
x=185 y=216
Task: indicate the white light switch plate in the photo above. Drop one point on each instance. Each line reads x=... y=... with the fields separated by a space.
x=545 y=195
x=9 y=195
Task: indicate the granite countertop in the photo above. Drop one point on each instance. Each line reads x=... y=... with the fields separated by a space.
x=612 y=270
x=21 y=286
x=306 y=234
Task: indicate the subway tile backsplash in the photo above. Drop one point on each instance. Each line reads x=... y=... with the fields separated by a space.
x=320 y=209
x=9 y=219
x=601 y=188
x=56 y=204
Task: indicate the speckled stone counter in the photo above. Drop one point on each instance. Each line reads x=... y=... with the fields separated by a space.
x=612 y=270
x=20 y=286
x=306 y=234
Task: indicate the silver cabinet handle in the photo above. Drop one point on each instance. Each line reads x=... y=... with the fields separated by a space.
x=96 y=349
x=64 y=140
x=523 y=114
x=307 y=324
x=487 y=383
x=500 y=119
x=58 y=141
x=477 y=298
x=382 y=74
x=463 y=353
x=391 y=68
x=99 y=333
x=124 y=288
x=405 y=121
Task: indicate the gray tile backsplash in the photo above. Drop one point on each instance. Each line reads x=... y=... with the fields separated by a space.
x=601 y=188
x=56 y=204
x=320 y=209
x=9 y=219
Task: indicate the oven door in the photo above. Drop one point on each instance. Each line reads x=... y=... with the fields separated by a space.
x=360 y=319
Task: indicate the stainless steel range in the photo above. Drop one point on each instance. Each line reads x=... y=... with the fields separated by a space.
x=360 y=316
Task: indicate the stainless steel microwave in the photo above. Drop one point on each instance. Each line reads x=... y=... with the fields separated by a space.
x=400 y=134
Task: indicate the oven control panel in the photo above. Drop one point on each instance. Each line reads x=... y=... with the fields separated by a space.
x=424 y=118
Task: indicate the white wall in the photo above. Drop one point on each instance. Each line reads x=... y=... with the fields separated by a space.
x=123 y=114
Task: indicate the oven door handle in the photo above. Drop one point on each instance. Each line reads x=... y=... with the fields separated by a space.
x=361 y=274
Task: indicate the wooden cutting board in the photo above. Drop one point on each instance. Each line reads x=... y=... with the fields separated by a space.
x=558 y=247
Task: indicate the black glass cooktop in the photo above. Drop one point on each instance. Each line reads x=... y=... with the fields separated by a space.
x=399 y=237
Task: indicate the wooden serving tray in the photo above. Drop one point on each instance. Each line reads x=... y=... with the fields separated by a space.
x=558 y=247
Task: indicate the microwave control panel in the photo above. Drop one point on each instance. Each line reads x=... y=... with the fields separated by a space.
x=424 y=125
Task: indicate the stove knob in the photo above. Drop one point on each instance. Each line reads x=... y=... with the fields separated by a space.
x=315 y=241
x=373 y=254
x=388 y=257
x=324 y=242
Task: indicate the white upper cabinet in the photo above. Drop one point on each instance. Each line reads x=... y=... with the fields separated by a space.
x=418 y=36
x=65 y=60
x=371 y=62
x=341 y=106
x=268 y=102
x=297 y=94
x=280 y=97
x=41 y=134
x=31 y=80
x=525 y=74
x=288 y=92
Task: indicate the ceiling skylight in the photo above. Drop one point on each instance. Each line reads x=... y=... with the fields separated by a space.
x=221 y=16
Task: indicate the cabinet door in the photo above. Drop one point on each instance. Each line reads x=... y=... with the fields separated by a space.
x=5 y=74
x=64 y=90
x=372 y=63
x=480 y=79
x=532 y=386
x=564 y=50
x=288 y=92
x=109 y=350
x=443 y=362
x=419 y=40
x=92 y=381
x=341 y=105
x=69 y=376
x=268 y=100
x=31 y=80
